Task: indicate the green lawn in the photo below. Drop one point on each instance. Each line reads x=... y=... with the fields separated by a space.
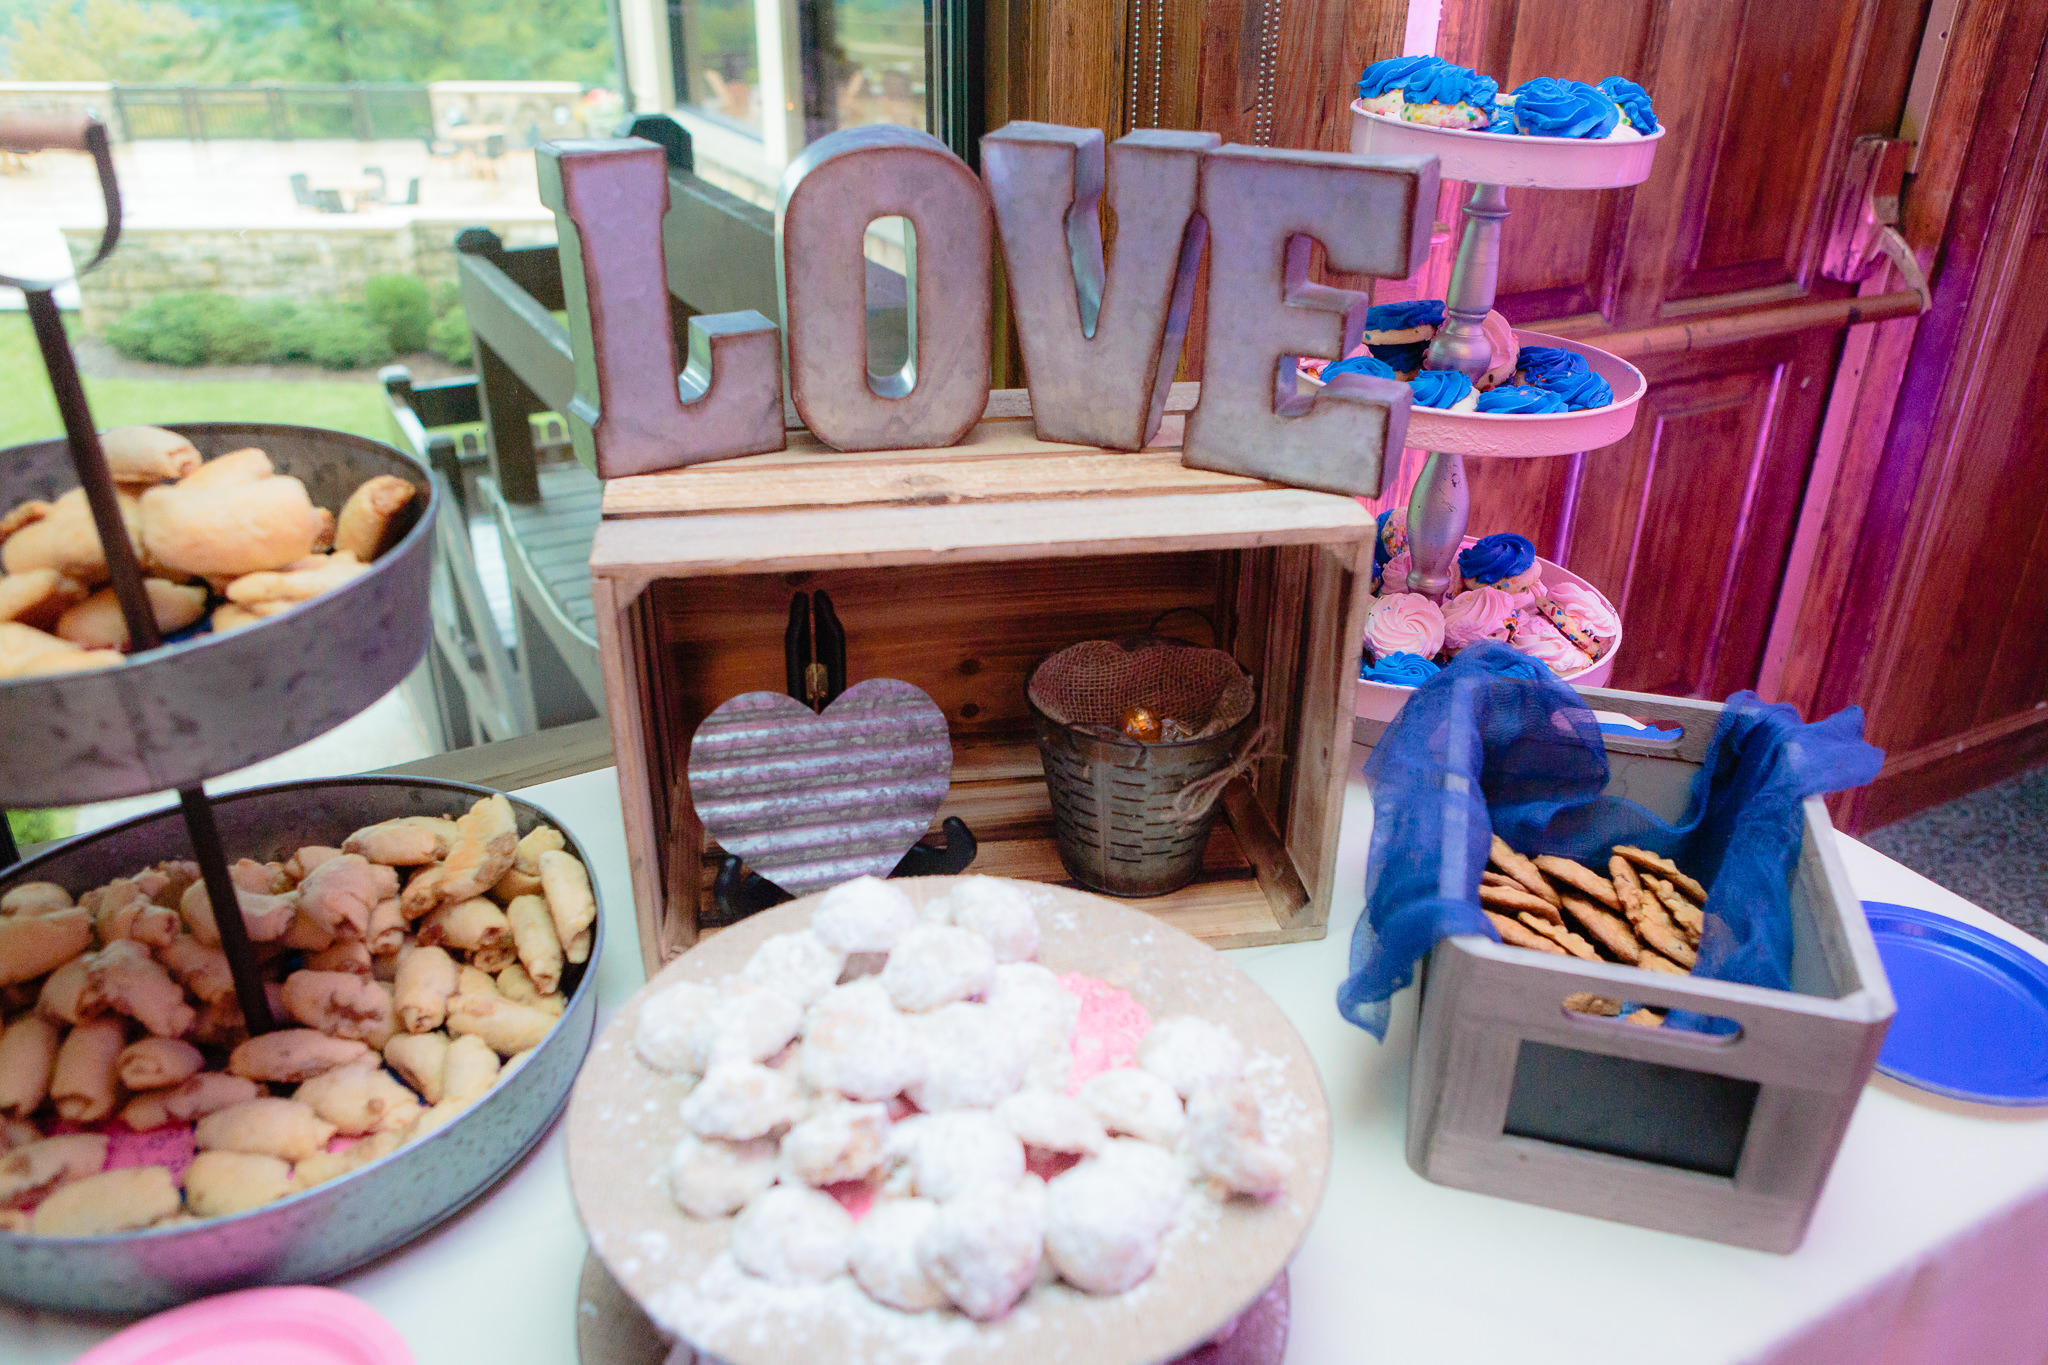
x=28 y=413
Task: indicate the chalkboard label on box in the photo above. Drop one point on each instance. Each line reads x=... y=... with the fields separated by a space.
x=1693 y=1120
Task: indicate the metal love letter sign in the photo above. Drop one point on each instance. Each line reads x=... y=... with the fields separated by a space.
x=830 y=194
x=1372 y=216
x=632 y=414
x=1100 y=341
x=808 y=800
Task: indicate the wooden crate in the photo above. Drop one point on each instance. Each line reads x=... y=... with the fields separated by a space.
x=959 y=569
x=1724 y=1138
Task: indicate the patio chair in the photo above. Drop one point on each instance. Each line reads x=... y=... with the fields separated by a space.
x=302 y=191
x=440 y=147
x=383 y=190
x=412 y=192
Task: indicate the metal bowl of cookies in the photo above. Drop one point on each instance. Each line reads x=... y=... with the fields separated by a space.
x=289 y=578
x=429 y=950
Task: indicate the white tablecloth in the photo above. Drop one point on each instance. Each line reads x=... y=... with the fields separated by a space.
x=1930 y=1245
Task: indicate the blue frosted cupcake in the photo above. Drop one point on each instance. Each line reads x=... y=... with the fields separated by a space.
x=1535 y=364
x=1548 y=107
x=1580 y=389
x=1401 y=668
x=1637 y=116
x=1379 y=86
x=1448 y=96
x=1504 y=561
x=1366 y=365
x=1397 y=324
x=1404 y=359
x=1520 y=400
x=1445 y=389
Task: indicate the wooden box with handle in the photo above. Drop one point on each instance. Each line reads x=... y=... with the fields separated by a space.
x=958 y=570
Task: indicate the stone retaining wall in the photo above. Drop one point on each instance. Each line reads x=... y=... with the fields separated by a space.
x=314 y=261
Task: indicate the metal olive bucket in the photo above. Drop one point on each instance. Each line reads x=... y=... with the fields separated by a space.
x=1115 y=815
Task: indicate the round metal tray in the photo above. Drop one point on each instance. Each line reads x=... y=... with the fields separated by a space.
x=329 y=1229
x=174 y=716
x=1548 y=163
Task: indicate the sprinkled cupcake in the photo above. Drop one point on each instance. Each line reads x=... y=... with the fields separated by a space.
x=1583 y=389
x=1505 y=561
x=1447 y=95
x=1520 y=400
x=1379 y=86
x=1582 y=616
x=1634 y=102
x=1536 y=364
x=1539 y=639
x=1446 y=389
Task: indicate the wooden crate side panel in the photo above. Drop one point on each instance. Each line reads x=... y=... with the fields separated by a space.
x=1339 y=594
x=629 y=677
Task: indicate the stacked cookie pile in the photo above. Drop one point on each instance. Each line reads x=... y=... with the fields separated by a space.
x=894 y=1096
x=1646 y=912
x=222 y=543
x=411 y=969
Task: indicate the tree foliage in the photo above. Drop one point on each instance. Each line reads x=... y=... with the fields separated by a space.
x=100 y=40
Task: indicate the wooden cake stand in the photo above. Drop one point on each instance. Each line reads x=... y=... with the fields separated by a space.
x=1221 y=1261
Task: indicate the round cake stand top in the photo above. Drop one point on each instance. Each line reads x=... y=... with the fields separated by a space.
x=622 y=1125
x=1549 y=163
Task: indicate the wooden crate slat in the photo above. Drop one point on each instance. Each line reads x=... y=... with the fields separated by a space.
x=637 y=551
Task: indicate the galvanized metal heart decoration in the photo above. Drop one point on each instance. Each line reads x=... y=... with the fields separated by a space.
x=809 y=800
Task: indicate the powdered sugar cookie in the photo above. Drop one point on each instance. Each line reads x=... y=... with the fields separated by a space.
x=972 y=1059
x=750 y=1023
x=950 y=1154
x=1106 y=1219
x=936 y=964
x=741 y=1100
x=1043 y=1013
x=856 y=1043
x=983 y=1248
x=838 y=1142
x=884 y=1257
x=711 y=1179
x=1189 y=1052
x=673 y=1032
x=1137 y=1102
x=865 y=915
x=1000 y=913
x=1052 y=1122
x=800 y=966
x=793 y=1235
x=1226 y=1143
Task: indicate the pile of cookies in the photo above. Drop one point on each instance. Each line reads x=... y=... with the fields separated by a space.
x=891 y=1094
x=1646 y=912
x=223 y=542
x=409 y=970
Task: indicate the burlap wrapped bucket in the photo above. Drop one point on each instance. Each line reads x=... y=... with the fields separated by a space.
x=1131 y=819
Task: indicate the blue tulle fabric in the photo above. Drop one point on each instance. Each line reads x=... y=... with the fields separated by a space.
x=1495 y=744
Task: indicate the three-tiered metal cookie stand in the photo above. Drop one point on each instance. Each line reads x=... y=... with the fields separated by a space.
x=171 y=716
x=1440 y=506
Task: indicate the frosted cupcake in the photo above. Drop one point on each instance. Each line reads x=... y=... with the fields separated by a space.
x=1404 y=359
x=1582 y=389
x=1394 y=573
x=1536 y=637
x=1379 y=86
x=1390 y=539
x=1395 y=324
x=1520 y=400
x=1446 y=389
x=1447 y=95
x=1404 y=623
x=1507 y=352
x=1536 y=364
x=1368 y=365
x=1481 y=613
x=1634 y=102
x=1402 y=669
x=1582 y=617
x=1548 y=107
x=1505 y=561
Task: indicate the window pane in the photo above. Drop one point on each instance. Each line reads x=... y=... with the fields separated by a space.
x=881 y=62
x=718 y=59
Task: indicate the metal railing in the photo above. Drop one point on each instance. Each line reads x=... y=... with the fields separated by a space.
x=196 y=113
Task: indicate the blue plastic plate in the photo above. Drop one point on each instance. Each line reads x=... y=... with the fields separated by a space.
x=1973 y=1009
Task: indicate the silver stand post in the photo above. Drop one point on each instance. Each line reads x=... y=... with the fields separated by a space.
x=1441 y=505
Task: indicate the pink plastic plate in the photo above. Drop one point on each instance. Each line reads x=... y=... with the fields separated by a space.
x=1382 y=701
x=1549 y=163
x=297 y=1326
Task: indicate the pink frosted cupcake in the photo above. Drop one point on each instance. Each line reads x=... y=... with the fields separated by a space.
x=1404 y=623
x=1540 y=640
x=1394 y=574
x=1582 y=616
x=1478 y=614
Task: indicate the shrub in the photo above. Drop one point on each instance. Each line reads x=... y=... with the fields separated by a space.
x=334 y=336
x=190 y=329
x=400 y=305
x=448 y=337
x=447 y=297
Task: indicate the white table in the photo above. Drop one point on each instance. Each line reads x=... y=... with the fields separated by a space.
x=1930 y=1243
